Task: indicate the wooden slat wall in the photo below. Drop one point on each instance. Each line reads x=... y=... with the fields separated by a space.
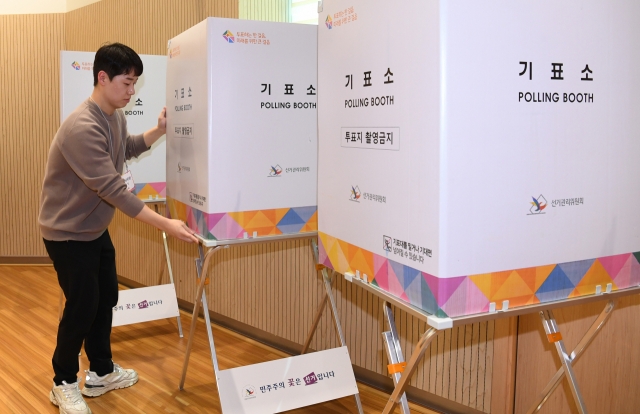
x=271 y=287
x=144 y=25
x=29 y=117
x=218 y=8
x=501 y=393
x=607 y=372
x=268 y=10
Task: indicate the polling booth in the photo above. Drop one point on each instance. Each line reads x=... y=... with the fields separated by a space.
x=469 y=154
x=477 y=159
x=242 y=169
x=242 y=130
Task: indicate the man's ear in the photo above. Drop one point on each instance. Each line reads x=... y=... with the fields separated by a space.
x=102 y=77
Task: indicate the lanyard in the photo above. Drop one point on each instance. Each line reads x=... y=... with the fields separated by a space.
x=110 y=138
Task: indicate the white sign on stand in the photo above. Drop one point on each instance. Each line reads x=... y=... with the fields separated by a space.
x=288 y=383
x=76 y=85
x=145 y=304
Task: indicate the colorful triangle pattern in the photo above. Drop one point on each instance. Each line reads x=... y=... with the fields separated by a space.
x=233 y=225
x=470 y=294
x=147 y=191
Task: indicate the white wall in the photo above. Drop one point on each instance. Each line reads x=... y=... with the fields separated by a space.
x=41 y=6
x=76 y=4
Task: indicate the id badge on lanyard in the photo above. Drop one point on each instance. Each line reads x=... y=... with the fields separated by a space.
x=128 y=179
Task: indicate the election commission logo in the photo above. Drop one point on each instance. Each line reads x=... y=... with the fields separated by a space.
x=329 y=22
x=248 y=392
x=275 y=171
x=537 y=205
x=228 y=36
x=355 y=194
x=75 y=65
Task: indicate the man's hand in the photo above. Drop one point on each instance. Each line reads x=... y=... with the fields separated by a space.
x=152 y=135
x=174 y=228
x=162 y=120
x=179 y=230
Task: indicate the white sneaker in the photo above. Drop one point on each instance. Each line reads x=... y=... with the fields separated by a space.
x=119 y=378
x=68 y=398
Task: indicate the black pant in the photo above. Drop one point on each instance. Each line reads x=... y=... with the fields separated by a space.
x=87 y=276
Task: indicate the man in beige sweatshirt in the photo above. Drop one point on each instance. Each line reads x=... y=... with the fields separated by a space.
x=83 y=185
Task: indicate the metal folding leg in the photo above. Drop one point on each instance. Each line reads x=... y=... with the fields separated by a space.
x=394 y=352
x=327 y=279
x=553 y=333
x=170 y=271
x=314 y=325
x=202 y=266
x=417 y=355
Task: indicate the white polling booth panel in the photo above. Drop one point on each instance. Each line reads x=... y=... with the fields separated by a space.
x=242 y=128
x=76 y=85
x=480 y=151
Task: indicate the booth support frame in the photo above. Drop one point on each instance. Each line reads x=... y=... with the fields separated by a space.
x=202 y=266
x=403 y=375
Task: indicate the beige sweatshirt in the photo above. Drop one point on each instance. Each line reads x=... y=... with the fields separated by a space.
x=83 y=182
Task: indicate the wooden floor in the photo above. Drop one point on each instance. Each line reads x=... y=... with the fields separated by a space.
x=28 y=325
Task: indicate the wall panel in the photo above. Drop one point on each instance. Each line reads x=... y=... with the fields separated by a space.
x=268 y=10
x=218 y=8
x=144 y=25
x=29 y=118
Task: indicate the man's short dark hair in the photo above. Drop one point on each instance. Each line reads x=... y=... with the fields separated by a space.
x=116 y=59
